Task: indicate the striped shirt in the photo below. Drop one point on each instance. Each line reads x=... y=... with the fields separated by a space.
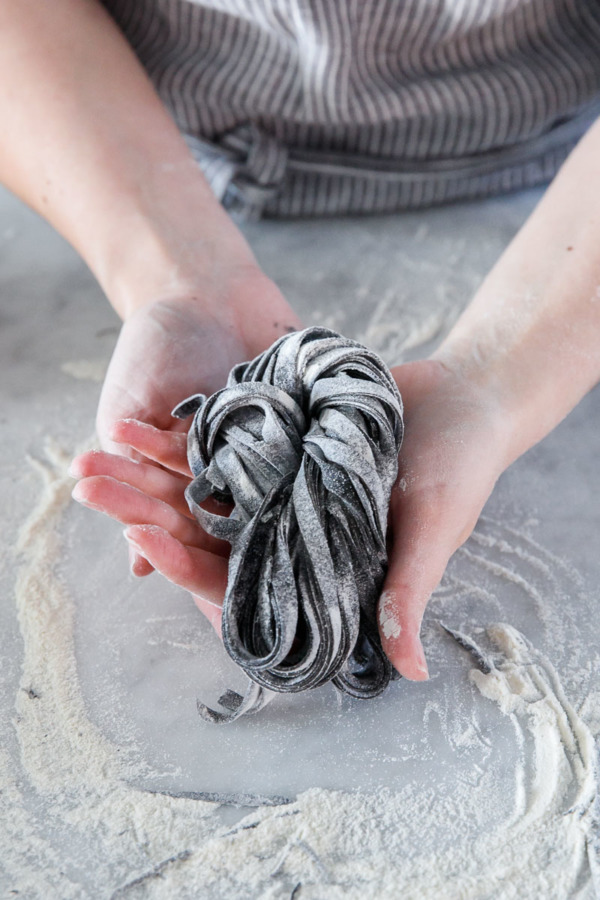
x=306 y=107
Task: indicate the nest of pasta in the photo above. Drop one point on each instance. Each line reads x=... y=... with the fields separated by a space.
x=303 y=444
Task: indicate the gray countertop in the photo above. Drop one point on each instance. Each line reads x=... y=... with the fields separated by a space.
x=143 y=651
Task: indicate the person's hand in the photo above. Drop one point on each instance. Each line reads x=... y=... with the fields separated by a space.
x=453 y=452
x=172 y=348
x=148 y=497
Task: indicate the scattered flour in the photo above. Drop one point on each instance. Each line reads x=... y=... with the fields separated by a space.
x=86 y=369
x=72 y=826
x=387 y=619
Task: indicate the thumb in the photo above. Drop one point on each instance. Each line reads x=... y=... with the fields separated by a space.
x=400 y=637
x=425 y=537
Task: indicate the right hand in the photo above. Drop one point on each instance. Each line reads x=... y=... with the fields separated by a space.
x=172 y=348
x=168 y=350
x=148 y=497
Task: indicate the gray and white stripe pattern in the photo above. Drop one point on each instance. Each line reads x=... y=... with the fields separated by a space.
x=302 y=107
x=303 y=442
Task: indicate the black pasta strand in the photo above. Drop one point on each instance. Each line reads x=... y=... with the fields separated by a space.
x=303 y=442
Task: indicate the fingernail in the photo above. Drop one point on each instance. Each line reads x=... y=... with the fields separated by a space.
x=132 y=541
x=71 y=470
x=133 y=558
x=76 y=495
x=420 y=659
x=113 y=432
x=114 y=426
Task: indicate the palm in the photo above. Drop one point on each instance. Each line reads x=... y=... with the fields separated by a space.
x=187 y=345
x=165 y=353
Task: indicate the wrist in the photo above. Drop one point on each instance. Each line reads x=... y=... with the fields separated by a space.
x=529 y=389
x=156 y=257
x=487 y=398
x=238 y=302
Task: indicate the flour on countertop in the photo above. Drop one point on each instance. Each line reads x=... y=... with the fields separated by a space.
x=325 y=844
x=86 y=369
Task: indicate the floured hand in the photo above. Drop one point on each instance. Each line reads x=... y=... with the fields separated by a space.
x=451 y=458
x=148 y=497
x=453 y=453
x=172 y=348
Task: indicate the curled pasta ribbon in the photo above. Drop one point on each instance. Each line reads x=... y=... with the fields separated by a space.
x=303 y=442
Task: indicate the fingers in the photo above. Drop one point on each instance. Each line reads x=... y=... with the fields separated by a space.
x=152 y=480
x=131 y=506
x=213 y=613
x=139 y=566
x=169 y=448
x=194 y=569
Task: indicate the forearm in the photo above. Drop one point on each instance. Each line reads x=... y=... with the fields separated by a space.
x=531 y=336
x=89 y=145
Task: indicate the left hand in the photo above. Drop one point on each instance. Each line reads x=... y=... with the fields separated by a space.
x=454 y=450
x=182 y=345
